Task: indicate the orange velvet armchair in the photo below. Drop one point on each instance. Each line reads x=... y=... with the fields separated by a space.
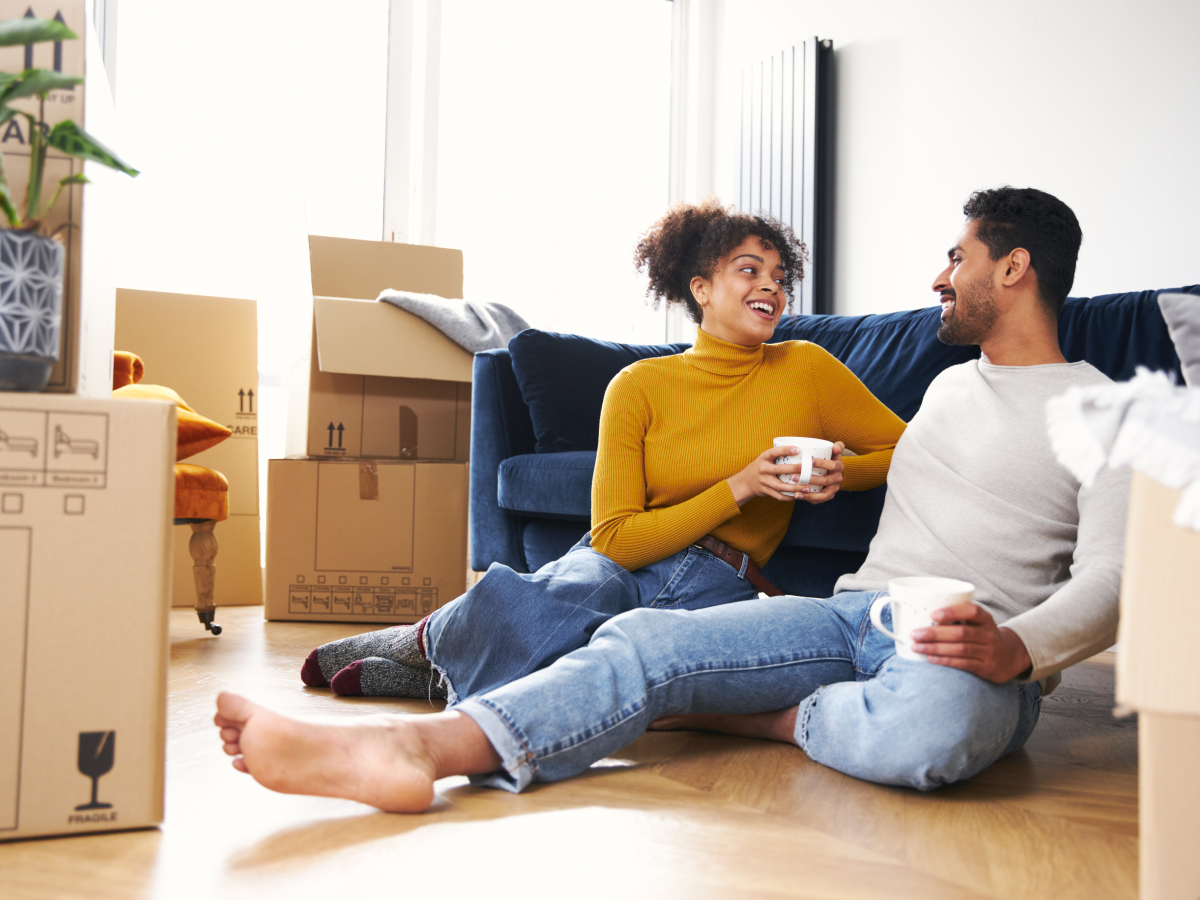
x=201 y=494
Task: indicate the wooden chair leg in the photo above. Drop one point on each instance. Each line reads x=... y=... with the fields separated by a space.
x=203 y=547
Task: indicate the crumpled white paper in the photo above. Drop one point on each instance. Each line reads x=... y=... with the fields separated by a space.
x=1148 y=423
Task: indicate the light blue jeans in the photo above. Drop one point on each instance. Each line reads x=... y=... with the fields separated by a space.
x=863 y=710
x=510 y=624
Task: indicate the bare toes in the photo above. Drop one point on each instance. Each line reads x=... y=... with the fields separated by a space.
x=233 y=709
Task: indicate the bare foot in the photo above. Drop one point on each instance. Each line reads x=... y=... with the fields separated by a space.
x=380 y=760
x=779 y=725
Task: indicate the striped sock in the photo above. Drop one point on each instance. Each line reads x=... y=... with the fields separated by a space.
x=400 y=644
x=376 y=677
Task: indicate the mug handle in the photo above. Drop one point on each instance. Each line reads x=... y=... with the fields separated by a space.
x=877 y=613
x=806 y=468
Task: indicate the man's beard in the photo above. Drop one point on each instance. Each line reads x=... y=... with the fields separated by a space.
x=970 y=321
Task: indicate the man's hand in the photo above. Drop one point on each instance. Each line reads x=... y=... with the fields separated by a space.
x=966 y=637
x=758 y=479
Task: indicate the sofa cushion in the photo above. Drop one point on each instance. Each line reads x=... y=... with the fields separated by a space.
x=563 y=378
x=897 y=355
x=847 y=522
x=1181 y=312
x=549 y=485
x=1116 y=333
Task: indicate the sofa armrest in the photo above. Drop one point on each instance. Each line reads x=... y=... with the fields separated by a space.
x=500 y=428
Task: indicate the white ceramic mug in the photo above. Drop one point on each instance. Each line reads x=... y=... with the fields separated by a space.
x=810 y=449
x=914 y=601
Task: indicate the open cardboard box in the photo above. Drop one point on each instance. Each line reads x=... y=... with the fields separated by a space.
x=86 y=499
x=380 y=382
x=86 y=214
x=206 y=349
x=1156 y=677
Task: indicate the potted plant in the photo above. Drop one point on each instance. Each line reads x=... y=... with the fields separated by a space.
x=31 y=257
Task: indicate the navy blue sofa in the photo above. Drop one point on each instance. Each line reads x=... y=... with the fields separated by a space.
x=536 y=412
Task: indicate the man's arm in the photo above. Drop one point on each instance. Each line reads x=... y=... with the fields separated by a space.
x=1075 y=622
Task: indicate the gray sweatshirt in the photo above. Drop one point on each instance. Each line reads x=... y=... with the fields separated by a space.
x=974 y=492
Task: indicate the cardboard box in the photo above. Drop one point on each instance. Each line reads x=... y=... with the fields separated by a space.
x=1156 y=677
x=206 y=349
x=375 y=541
x=1168 y=806
x=379 y=382
x=86 y=494
x=87 y=214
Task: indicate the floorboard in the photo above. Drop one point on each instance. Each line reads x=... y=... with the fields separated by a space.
x=681 y=814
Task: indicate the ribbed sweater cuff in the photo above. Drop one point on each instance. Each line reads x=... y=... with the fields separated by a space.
x=862 y=473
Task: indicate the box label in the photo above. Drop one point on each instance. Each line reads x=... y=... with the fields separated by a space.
x=46 y=449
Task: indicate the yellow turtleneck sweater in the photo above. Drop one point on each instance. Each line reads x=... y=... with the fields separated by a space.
x=674 y=428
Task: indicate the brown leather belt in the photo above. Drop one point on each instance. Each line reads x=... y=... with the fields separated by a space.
x=740 y=561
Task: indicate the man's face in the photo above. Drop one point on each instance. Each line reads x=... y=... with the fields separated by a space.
x=967 y=291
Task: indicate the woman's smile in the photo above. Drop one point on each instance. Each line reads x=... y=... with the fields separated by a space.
x=744 y=300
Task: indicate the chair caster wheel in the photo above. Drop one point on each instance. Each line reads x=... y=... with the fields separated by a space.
x=206 y=619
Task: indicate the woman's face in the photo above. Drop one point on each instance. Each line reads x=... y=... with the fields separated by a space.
x=744 y=300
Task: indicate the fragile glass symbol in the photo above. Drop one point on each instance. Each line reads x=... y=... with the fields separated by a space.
x=96 y=759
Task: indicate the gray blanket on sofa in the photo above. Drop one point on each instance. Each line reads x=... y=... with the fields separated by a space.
x=472 y=325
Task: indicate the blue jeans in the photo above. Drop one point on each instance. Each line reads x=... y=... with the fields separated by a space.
x=863 y=710
x=510 y=624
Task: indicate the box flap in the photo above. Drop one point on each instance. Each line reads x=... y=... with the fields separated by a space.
x=342 y=267
x=357 y=337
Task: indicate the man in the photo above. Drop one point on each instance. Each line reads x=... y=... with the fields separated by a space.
x=974 y=494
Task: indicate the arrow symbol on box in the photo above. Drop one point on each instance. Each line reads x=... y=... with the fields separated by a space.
x=331 y=430
x=250 y=394
x=241 y=400
x=339 y=430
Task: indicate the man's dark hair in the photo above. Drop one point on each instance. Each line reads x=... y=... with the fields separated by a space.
x=1008 y=218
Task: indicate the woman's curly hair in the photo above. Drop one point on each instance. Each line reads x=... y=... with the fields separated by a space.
x=692 y=238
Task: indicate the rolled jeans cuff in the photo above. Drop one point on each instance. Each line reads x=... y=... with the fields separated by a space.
x=800 y=734
x=516 y=757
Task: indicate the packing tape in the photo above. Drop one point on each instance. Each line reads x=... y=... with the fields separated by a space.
x=368 y=480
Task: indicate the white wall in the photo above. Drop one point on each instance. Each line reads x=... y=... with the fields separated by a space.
x=1095 y=101
x=552 y=156
x=253 y=124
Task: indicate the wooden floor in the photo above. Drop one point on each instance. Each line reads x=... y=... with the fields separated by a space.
x=674 y=815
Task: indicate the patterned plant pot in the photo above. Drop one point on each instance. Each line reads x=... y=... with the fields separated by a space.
x=31 y=278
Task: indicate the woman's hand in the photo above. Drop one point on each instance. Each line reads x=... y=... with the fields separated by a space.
x=758 y=479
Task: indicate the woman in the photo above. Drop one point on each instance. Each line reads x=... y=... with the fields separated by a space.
x=685 y=452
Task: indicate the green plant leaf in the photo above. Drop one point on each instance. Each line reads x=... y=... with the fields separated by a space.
x=37 y=168
x=74 y=141
x=6 y=79
x=6 y=204
x=77 y=178
x=33 y=31
x=35 y=82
